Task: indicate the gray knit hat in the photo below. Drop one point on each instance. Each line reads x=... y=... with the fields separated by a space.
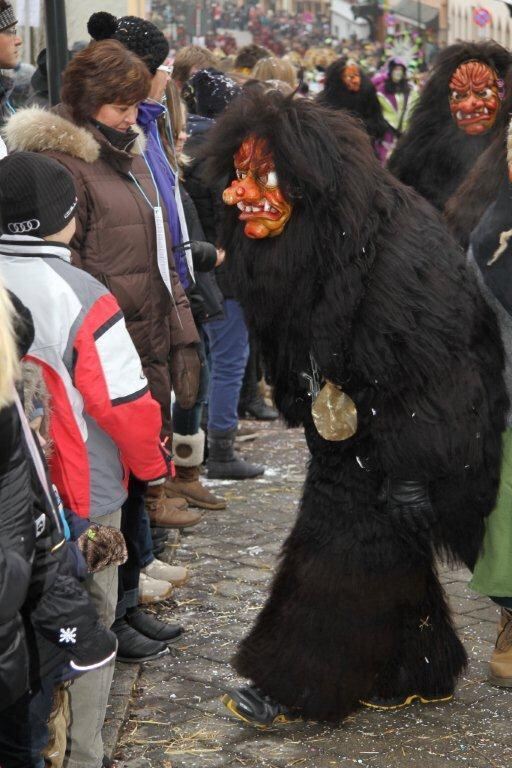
x=7 y=16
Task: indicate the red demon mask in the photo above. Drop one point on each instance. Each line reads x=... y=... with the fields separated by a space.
x=351 y=77
x=256 y=191
x=474 y=97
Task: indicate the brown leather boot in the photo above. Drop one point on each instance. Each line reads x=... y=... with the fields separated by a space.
x=163 y=513
x=188 y=456
x=187 y=484
x=500 y=667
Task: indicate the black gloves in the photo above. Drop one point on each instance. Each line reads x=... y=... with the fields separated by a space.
x=407 y=502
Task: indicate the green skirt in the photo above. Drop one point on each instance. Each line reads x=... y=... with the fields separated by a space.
x=493 y=571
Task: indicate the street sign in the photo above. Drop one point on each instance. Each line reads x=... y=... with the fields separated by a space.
x=482 y=17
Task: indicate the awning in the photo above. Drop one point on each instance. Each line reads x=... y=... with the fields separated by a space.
x=419 y=14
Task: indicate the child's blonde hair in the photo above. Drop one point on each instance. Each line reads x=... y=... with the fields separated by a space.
x=9 y=364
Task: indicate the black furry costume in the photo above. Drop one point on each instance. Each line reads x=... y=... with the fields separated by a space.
x=465 y=208
x=364 y=104
x=366 y=279
x=434 y=155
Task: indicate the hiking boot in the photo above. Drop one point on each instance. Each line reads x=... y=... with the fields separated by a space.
x=252 y=706
x=135 y=647
x=405 y=700
x=500 y=666
x=151 y=627
x=153 y=590
x=224 y=463
x=187 y=484
x=164 y=513
x=174 y=574
x=256 y=408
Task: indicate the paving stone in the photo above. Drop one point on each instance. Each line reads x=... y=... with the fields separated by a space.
x=174 y=717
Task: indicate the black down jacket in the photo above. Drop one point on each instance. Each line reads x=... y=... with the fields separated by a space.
x=47 y=620
x=16 y=552
x=207 y=199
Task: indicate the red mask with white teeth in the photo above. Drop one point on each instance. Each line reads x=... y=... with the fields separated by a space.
x=256 y=191
x=474 y=97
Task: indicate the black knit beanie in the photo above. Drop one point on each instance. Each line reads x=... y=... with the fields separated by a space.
x=209 y=92
x=7 y=16
x=37 y=195
x=138 y=35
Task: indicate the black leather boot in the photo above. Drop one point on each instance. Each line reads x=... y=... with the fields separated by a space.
x=152 y=627
x=224 y=463
x=135 y=647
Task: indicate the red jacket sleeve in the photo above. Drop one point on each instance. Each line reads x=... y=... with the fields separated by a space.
x=108 y=374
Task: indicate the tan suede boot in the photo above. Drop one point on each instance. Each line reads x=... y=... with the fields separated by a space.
x=188 y=456
x=164 y=513
x=500 y=667
x=187 y=484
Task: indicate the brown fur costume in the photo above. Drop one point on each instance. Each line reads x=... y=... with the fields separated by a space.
x=366 y=279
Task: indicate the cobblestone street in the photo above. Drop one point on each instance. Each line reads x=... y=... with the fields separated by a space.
x=171 y=710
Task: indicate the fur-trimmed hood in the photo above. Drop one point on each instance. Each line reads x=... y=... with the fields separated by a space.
x=39 y=130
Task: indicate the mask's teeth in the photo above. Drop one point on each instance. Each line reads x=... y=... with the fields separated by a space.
x=241 y=206
x=266 y=206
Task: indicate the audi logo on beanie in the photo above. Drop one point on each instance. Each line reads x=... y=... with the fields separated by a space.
x=71 y=209
x=23 y=227
x=37 y=195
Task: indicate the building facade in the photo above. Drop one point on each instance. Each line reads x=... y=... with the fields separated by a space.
x=343 y=23
x=31 y=15
x=462 y=24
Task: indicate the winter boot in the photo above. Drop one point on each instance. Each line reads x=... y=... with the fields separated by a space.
x=188 y=457
x=164 y=514
x=500 y=667
x=150 y=626
x=223 y=463
x=135 y=647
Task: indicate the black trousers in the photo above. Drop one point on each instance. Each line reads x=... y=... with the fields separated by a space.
x=129 y=573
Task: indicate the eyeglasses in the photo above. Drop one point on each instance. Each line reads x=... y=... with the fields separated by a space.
x=166 y=69
x=11 y=31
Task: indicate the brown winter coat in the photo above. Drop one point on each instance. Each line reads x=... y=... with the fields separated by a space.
x=116 y=242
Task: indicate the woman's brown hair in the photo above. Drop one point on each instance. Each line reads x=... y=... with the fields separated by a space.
x=103 y=73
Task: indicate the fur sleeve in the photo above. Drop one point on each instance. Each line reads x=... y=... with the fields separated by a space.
x=432 y=349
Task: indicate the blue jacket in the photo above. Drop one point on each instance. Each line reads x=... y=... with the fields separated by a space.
x=165 y=178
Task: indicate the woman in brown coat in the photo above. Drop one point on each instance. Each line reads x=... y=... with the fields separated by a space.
x=93 y=133
x=116 y=236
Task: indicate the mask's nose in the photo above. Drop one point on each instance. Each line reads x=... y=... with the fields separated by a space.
x=242 y=190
